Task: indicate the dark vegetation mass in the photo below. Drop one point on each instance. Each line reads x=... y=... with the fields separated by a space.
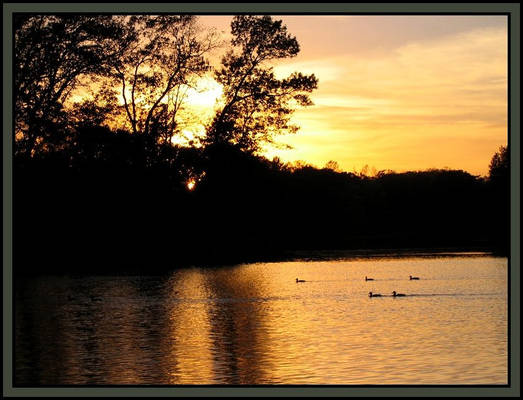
x=89 y=197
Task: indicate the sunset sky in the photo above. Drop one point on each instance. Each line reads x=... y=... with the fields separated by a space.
x=398 y=92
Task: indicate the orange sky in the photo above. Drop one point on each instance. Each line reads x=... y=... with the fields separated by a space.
x=398 y=92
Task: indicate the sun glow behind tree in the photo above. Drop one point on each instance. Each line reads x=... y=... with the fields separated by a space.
x=396 y=105
x=198 y=104
x=164 y=87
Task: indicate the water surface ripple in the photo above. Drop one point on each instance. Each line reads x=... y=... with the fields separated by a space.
x=253 y=324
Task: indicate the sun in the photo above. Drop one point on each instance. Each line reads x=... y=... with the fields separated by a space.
x=191 y=183
x=206 y=93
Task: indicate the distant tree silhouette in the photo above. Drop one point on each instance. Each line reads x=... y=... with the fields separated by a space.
x=499 y=185
x=333 y=165
x=257 y=105
x=499 y=164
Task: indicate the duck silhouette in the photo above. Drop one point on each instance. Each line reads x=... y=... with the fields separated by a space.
x=374 y=294
x=299 y=280
x=368 y=279
x=394 y=294
x=413 y=278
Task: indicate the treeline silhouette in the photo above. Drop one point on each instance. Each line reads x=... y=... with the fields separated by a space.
x=102 y=205
x=91 y=198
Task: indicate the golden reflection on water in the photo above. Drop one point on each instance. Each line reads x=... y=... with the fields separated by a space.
x=187 y=336
x=253 y=324
x=239 y=332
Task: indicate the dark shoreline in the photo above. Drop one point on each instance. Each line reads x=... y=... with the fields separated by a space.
x=285 y=256
x=392 y=253
x=96 y=217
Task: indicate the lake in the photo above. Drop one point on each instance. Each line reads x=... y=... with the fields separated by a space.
x=253 y=324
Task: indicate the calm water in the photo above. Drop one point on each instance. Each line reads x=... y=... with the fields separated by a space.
x=253 y=324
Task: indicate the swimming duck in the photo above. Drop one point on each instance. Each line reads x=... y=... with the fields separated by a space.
x=374 y=294
x=368 y=279
x=394 y=294
x=413 y=278
x=299 y=280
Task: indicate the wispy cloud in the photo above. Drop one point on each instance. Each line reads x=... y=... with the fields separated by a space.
x=400 y=92
x=448 y=93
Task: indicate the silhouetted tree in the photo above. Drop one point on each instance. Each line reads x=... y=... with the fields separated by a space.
x=257 y=105
x=167 y=55
x=52 y=53
x=333 y=165
x=499 y=164
x=499 y=185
